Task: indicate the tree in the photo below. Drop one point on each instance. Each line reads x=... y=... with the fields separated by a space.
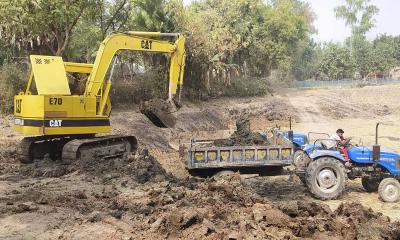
x=275 y=39
x=30 y=24
x=336 y=63
x=152 y=15
x=359 y=15
x=108 y=16
x=307 y=60
x=384 y=53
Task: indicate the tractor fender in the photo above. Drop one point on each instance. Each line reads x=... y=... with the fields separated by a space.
x=308 y=148
x=326 y=153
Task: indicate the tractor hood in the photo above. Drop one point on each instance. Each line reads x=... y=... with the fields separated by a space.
x=388 y=159
x=365 y=154
x=298 y=138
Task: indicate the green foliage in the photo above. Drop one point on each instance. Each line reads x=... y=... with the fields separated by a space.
x=336 y=63
x=385 y=53
x=143 y=87
x=363 y=55
x=152 y=15
x=41 y=26
x=306 y=62
x=246 y=87
x=234 y=48
x=229 y=40
x=12 y=81
x=359 y=14
x=84 y=43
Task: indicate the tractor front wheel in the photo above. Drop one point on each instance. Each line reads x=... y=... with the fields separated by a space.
x=389 y=190
x=326 y=178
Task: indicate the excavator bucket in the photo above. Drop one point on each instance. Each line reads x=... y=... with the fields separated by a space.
x=161 y=113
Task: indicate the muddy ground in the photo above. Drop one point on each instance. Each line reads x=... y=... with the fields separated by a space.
x=151 y=195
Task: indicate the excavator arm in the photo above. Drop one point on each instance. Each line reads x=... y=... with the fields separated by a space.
x=98 y=86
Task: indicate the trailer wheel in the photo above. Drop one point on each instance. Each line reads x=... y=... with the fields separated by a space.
x=326 y=178
x=389 y=190
x=223 y=173
x=370 y=184
x=301 y=160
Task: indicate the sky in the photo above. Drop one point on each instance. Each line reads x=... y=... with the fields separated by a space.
x=332 y=29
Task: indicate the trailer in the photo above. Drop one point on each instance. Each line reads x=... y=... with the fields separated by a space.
x=204 y=159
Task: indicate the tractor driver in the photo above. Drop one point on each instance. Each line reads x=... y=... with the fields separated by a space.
x=340 y=140
x=341 y=143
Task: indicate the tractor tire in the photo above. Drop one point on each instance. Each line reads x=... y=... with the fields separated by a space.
x=389 y=190
x=370 y=184
x=301 y=160
x=326 y=178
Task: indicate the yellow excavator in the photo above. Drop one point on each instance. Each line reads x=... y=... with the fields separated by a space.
x=57 y=123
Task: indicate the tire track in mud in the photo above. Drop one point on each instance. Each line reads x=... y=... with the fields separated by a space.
x=308 y=111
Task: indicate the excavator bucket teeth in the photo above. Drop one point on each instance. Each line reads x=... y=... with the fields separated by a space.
x=160 y=112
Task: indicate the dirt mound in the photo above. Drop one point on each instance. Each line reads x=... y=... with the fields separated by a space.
x=140 y=167
x=226 y=207
x=8 y=150
x=203 y=119
x=145 y=202
x=9 y=162
x=367 y=224
x=271 y=110
x=243 y=136
x=107 y=179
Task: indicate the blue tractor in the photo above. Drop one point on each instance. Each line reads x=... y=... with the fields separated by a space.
x=324 y=170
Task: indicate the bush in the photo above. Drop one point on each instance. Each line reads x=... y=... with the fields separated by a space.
x=142 y=87
x=13 y=79
x=247 y=87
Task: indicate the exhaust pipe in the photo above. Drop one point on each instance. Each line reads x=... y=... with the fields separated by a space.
x=290 y=132
x=376 y=149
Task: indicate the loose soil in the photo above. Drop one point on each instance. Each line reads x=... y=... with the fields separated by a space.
x=151 y=195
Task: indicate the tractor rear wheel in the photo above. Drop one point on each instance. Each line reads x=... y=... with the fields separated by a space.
x=370 y=184
x=389 y=190
x=326 y=178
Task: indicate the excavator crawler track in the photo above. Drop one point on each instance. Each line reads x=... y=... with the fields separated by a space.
x=37 y=147
x=98 y=147
x=71 y=148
